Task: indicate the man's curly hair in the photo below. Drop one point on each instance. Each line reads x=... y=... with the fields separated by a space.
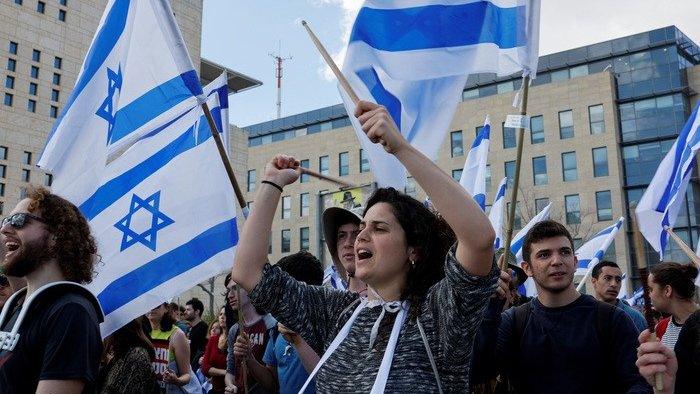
x=74 y=247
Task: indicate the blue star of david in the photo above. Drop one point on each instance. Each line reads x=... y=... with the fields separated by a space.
x=106 y=110
x=158 y=221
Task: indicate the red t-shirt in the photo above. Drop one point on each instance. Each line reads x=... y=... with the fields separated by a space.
x=258 y=341
x=216 y=358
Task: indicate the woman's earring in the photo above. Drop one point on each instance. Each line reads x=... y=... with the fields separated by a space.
x=413 y=263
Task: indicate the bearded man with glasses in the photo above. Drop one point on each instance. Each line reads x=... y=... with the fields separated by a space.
x=50 y=340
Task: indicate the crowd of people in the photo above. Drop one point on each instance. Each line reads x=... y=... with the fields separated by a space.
x=415 y=302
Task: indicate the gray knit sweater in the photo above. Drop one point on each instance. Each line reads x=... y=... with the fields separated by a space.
x=450 y=315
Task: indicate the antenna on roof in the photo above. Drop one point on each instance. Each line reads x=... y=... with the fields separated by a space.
x=278 y=74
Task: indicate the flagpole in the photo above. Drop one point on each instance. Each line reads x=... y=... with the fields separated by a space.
x=644 y=274
x=241 y=201
x=516 y=179
x=331 y=179
x=585 y=278
x=695 y=259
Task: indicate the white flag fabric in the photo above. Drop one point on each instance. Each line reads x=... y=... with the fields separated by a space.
x=590 y=253
x=496 y=214
x=664 y=196
x=624 y=288
x=516 y=246
x=473 y=177
x=413 y=57
x=164 y=216
x=136 y=71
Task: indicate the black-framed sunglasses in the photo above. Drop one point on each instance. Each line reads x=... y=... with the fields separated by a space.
x=18 y=220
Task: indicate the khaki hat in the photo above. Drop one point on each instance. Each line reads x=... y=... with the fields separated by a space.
x=333 y=218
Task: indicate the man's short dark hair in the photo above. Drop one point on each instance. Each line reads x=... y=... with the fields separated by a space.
x=544 y=230
x=599 y=267
x=197 y=305
x=302 y=266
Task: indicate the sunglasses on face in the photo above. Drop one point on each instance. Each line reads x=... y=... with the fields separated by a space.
x=18 y=220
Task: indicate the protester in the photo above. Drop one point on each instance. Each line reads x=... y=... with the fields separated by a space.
x=127 y=362
x=671 y=289
x=48 y=240
x=194 y=309
x=606 y=278
x=176 y=315
x=257 y=331
x=424 y=304
x=340 y=228
x=215 y=328
x=653 y=357
x=561 y=341
x=172 y=363
x=214 y=362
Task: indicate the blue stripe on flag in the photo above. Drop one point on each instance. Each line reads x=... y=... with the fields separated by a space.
x=169 y=265
x=501 y=192
x=369 y=77
x=517 y=245
x=440 y=26
x=150 y=105
x=481 y=200
x=105 y=40
x=484 y=134
x=584 y=263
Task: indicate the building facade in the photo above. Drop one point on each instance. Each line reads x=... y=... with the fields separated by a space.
x=602 y=118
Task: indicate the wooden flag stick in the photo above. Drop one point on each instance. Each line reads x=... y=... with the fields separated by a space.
x=241 y=201
x=341 y=78
x=516 y=178
x=331 y=179
x=684 y=247
x=644 y=274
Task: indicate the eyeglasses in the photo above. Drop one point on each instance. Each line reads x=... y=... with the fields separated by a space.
x=18 y=220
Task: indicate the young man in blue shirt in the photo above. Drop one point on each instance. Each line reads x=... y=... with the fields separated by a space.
x=607 y=280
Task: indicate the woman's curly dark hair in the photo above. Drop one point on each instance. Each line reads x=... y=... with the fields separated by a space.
x=74 y=247
x=427 y=233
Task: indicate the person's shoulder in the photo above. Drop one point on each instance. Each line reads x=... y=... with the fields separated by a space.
x=67 y=300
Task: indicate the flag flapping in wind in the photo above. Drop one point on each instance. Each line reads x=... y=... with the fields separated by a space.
x=136 y=72
x=664 y=196
x=163 y=216
x=516 y=247
x=473 y=177
x=496 y=214
x=590 y=253
x=413 y=57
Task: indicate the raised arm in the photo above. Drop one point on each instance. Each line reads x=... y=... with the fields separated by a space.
x=251 y=252
x=470 y=225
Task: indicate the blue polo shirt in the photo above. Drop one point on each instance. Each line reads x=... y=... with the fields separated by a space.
x=290 y=370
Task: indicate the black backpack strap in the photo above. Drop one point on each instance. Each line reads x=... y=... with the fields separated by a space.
x=520 y=317
x=604 y=316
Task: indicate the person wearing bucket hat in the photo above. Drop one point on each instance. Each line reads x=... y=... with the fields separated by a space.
x=340 y=228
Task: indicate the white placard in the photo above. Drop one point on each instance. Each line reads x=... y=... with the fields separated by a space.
x=518 y=121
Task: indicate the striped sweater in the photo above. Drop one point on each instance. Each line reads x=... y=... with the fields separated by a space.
x=450 y=315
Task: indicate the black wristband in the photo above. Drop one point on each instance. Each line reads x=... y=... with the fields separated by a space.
x=278 y=187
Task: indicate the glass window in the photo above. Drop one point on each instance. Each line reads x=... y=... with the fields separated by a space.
x=54 y=95
x=48 y=179
x=478 y=130
x=510 y=172
x=579 y=71
x=8 y=99
x=11 y=64
x=304 y=238
x=36 y=55
x=3 y=171
x=457 y=174
x=18 y=2
x=470 y=94
x=508 y=136
x=343 y=163
x=539 y=170
x=603 y=203
x=57 y=62
x=303 y=178
x=286 y=207
x=560 y=75
x=62 y=15
x=566 y=124
x=3 y=152
x=364 y=161
x=323 y=163
x=27 y=157
x=40 y=8
x=31 y=105
x=600 y=162
x=63 y=2
x=26 y=175
x=641 y=161
x=9 y=82
x=518 y=223
x=568 y=164
x=652 y=118
x=250 y=184
x=33 y=88
x=56 y=79
x=13 y=48
x=410 y=187
x=34 y=72
x=540 y=204
x=537 y=129
x=2 y=190
x=488 y=177
x=504 y=87
x=53 y=112
x=286 y=241
x=304 y=201
x=572 y=204
x=596 y=119
x=456 y=143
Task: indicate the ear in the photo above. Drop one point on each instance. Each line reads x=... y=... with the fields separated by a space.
x=593 y=279
x=668 y=291
x=527 y=268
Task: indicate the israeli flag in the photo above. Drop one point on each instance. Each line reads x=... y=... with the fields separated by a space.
x=624 y=286
x=664 y=196
x=163 y=216
x=473 y=177
x=637 y=299
x=590 y=253
x=496 y=214
x=413 y=57
x=516 y=246
x=137 y=74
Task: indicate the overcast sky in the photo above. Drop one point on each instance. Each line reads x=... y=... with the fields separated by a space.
x=241 y=34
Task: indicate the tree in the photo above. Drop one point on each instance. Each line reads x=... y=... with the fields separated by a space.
x=209 y=289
